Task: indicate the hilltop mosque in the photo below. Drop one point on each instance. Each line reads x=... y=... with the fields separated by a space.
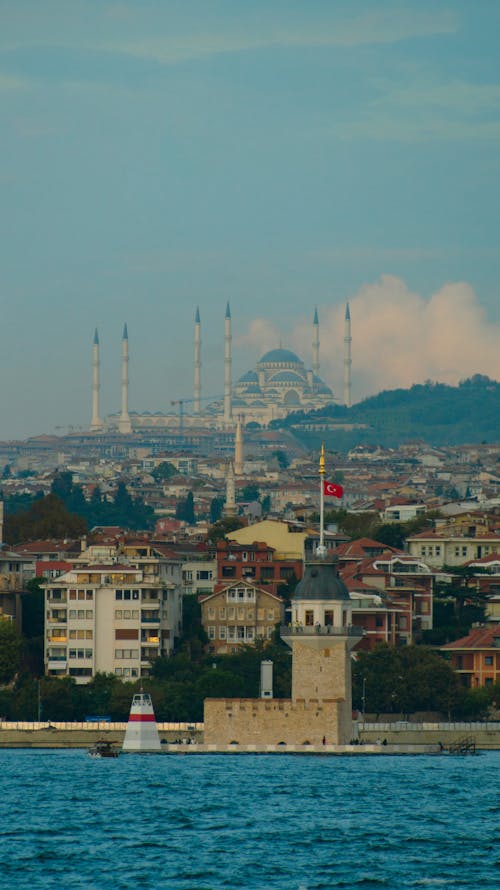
x=279 y=384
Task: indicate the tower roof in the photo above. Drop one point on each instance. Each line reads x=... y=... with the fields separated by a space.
x=316 y=321
x=96 y=338
x=347 y=312
x=197 y=316
x=228 y=310
x=125 y=332
x=321 y=582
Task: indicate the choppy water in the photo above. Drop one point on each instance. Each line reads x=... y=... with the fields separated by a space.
x=245 y=821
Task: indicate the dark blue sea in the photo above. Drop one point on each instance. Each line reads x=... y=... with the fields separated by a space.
x=248 y=821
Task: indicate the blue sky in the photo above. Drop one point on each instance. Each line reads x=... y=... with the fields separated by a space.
x=160 y=155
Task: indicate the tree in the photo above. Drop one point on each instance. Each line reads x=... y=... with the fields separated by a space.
x=185 y=510
x=164 y=471
x=411 y=678
x=46 y=518
x=226 y=525
x=249 y=493
x=10 y=650
x=282 y=458
x=216 y=508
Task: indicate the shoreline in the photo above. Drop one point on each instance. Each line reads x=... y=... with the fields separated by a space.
x=187 y=738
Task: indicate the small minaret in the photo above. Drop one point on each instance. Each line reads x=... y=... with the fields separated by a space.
x=197 y=362
x=238 y=447
x=315 y=345
x=227 y=366
x=230 y=505
x=347 y=357
x=124 y=424
x=96 y=422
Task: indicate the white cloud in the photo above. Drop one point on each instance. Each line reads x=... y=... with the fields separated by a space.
x=400 y=338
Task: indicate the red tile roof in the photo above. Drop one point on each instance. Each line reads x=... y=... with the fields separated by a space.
x=478 y=638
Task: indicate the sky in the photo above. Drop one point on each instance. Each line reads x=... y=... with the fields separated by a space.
x=157 y=156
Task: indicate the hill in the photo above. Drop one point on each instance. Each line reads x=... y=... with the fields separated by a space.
x=432 y=412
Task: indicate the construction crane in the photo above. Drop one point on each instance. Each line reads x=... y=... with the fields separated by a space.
x=182 y=402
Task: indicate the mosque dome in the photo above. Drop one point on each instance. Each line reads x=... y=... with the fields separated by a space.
x=253 y=389
x=321 y=582
x=249 y=377
x=280 y=356
x=287 y=377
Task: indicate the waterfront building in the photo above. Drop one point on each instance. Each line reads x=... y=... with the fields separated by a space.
x=238 y=614
x=476 y=657
x=113 y=616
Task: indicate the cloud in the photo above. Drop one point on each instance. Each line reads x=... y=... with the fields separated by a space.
x=400 y=338
x=260 y=336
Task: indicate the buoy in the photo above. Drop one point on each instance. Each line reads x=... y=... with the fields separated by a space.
x=141 y=735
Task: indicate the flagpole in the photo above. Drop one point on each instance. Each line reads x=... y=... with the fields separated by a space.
x=321 y=549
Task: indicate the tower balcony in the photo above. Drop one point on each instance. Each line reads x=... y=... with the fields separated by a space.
x=299 y=631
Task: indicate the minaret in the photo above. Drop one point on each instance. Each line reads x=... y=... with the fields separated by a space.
x=96 y=422
x=238 y=447
x=227 y=366
x=230 y=505
x=315 y=345
x=197 y=362
x=124 y=424
x=347 y=357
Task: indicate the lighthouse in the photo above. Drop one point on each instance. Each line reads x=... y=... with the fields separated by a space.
x=141 y=735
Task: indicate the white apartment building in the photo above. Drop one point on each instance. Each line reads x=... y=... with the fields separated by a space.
x=110 y=617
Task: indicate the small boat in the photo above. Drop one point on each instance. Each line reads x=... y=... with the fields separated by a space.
x=103 y=748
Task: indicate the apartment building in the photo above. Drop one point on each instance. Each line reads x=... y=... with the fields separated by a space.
x=113 y=617
x=238 y=614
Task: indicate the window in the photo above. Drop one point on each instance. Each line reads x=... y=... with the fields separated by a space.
x=379 y=621
x=89 y=594
x=241 y=614
x=267 y=573
x=457 y=551
x=228 y=572
x=135 y=594
x=127 y=594
x=270 y=614
x=488 y=660
x=118 y=614
x=211 y=612
x=211 y=633
x=464 y=551
x=118 y=594
x=72 y=613
x=231 y=633
x=250 y=634
x=72 y=594
x=309 y=616
x=222 y=612
x=231 y=612
x=438 y=550
x=423 y=551
x=204 y=575
x=270 y=631
x=81 y=613
x=250 y=613
x=89 y=614
x=222 y=632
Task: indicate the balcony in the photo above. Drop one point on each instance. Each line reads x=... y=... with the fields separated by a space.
x=58 y=639
x=323 y=630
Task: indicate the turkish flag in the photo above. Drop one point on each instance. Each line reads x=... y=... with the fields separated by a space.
x=331 y=490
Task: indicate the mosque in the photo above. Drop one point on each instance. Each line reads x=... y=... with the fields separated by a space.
x=279 y=384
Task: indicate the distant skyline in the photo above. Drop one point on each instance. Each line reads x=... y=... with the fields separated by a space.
x=161 y=155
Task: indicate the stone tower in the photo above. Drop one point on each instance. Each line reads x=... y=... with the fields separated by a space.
x=321 y=638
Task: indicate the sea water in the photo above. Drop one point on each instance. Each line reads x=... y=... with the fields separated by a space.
x=248 y=821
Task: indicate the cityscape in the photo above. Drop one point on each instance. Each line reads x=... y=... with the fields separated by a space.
x=249 y=444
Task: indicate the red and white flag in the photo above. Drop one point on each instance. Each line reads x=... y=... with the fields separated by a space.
x=332 y=490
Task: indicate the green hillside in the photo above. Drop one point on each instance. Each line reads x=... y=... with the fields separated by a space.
x=432 y=412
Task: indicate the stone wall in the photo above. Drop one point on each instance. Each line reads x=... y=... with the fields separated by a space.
x=270 y=722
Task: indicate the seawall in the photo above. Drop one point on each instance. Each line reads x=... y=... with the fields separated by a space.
x=189 y=737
